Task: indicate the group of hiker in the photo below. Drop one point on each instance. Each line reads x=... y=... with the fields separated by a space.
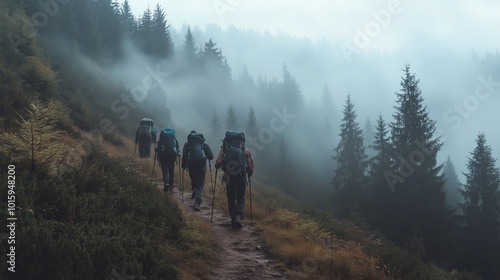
x=234 y=159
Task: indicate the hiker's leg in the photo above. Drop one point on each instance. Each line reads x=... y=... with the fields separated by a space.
x=164 y=171
x=171 y=167
x=148 y=149
x=197 y=175
x=240 y=183
x=141 y=149
x=231 y=196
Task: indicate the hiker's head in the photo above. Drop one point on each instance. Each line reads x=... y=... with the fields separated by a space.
x=193 y=131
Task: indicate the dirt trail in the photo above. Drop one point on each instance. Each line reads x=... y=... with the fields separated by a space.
x=241 y=256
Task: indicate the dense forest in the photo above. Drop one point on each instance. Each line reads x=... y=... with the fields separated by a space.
x=108 y=68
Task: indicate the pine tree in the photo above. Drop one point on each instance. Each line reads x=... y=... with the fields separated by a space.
x=163 y=44
x=369 y=138
x=452 y=185
x=351 y=162
x=232 y=119
x=214 y=61
x=482 y=209
x=251 y=129
x=37 y=137
x=291 y=90
x=215 y=124
x=212 y=54
x=145 y=33
x=482 y=190
x=189 y=50
x=110 y=28
x=378 y=205
x=421 y=210
x=128 y=20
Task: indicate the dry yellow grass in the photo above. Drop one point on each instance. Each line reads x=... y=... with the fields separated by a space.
x=304 y=250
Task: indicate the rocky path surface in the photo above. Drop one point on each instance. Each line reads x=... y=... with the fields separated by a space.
x=241 y=255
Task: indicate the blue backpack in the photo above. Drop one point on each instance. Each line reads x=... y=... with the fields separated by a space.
x=167 y=143
x=196 y=151
x=234 y=161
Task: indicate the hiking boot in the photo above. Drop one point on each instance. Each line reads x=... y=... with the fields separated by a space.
x=166 y=187
x=196 y=205
x=171 y=188
x=237 y=222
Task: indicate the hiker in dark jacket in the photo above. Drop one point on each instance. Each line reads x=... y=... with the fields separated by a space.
x=194 y=157
x=235 y=187
x=167 y=151
x=145 y=143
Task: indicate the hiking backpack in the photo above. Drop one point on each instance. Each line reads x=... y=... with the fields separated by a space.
x=196 y=152
x=234 y=160
x=167 y=143
x=145 y=132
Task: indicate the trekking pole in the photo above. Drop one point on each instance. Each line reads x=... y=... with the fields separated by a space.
x=182 y=186
x=180 y=177
x=251 y=211
x=213 y=191
x=152 y=173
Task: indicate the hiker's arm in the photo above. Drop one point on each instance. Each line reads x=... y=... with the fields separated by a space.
x=208 y=152
x=218 y=162
x=136 y=135
x=177 y=148
x=250 y=164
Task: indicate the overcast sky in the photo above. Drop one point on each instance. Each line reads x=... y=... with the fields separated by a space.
x=460 y=24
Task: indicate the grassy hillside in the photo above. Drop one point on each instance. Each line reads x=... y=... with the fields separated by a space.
x=313 y=245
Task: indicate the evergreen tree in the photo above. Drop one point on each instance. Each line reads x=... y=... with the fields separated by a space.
x=369 y=138
x=163 y=45
x=421 y=210
x=211 y=53
x=89 y=38
x=452 y=185
x=215 y=124
x=109 y=26
x=145 y=33
x=128 y=20
x=189 y=50
x=351 y=162
x=482 y=190
x=378 y=205
x=232 y=119
x=291 y=90
x=481 y=209
x=251 y=129
x=214 y=61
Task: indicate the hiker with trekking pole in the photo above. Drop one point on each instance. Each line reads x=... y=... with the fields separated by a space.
x=237 y=163
x=167 y=152
x=194 y=157
x=146 y=136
